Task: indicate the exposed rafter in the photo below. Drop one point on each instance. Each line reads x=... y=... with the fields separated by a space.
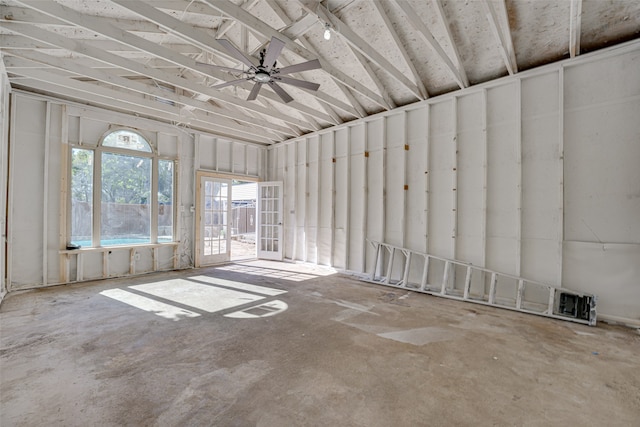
x=142 y=88
x=445 y=24
x=260 y=26
x=208 y=43
x=123 y=99
x=143 y=70
x=107 y=30
x=308 y=20
x=411 y=15
x=500 y=29
x=382 y=53
x=574 y=27
x=401 y=48
x=358 y=43
x=374 y=78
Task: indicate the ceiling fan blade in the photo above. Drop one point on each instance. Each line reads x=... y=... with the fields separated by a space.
x=232 y=82
x=281 y=92
x=254 y=92
x=304 y=66
x=220 y=67
x=236 y=53
x=299 y=83
x=275 y=47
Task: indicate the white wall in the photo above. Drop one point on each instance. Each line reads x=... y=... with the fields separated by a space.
x=41 y=130
x=535 y=175
x=5 y=90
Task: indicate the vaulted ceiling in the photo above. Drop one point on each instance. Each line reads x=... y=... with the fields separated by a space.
x=146 y=57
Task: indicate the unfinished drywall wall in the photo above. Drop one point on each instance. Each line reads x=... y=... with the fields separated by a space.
x=528 y=175
x=5 y=90
x=42 y=132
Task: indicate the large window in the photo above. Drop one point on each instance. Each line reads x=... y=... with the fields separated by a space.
x=121 y=193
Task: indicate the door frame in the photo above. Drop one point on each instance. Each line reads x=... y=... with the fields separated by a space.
x=198 y=205
x=278 y=254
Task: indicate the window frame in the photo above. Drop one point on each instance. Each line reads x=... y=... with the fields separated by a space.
x=98 y=150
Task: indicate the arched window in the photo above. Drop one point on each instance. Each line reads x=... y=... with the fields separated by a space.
x=133 y=198
x=129 y=140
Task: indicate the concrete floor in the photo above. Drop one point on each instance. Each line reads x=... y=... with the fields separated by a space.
x=186 y=349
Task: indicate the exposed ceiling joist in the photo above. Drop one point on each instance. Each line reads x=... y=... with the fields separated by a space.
x=374 y=78
x=574 y=27
x=445 y=24
x=400 y=46
x=385 y=53
x=499 y=34
x=224 y=28
x=122 y=99
x=413 y=18
x=358 y=43
x=142 y=88
x=354 y=108
x=143 y=70
x=260 y=26
x=107 y=30
x=207 y=43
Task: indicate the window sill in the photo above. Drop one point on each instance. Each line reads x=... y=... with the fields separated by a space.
x=117 y=247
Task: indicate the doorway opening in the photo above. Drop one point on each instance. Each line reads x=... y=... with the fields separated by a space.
x=243 y=220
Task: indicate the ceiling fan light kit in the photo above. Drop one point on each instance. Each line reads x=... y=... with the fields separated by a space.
x=267 y=72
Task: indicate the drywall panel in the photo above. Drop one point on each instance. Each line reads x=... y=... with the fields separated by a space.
x=441 y=179
x=301 y=200
x=91 y=132
x=609 y=270
x=312 y=193
x=485 y=180
x=223 y=155
x=5 y=90
x=503 y=176
x=376 y=164
x=74 y=129
x=325 y=199
x=53 y=158
x=471 y=138
x=26 y=195
x=206 y=152
x=602 y=151
x=415 y=215
x=167 y=145
x=186 y=198
x=253 y=158
x=238 y=155
x=342 y=200
x=541 y=179
x=395 y=180
x=289 y=201
x=415 y=223
x=357 y=208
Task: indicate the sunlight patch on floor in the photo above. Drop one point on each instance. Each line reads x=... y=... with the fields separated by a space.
x=203 y=294
x=147 y=304
x=238 y=285
x=203 y=297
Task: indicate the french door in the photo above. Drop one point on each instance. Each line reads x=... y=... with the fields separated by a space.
x=214 y=221
x=269 y=231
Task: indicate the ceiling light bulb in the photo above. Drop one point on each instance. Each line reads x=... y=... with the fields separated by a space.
x=327 y=32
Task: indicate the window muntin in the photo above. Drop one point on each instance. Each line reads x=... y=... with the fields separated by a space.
x=81 y=196
x=126 y=139
x=121 y=193
x=125 y=204
x=165 y=200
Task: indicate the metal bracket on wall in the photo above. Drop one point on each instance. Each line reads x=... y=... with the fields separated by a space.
x=466 y=282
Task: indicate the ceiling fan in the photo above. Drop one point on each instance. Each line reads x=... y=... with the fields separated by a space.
x=267 y=72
